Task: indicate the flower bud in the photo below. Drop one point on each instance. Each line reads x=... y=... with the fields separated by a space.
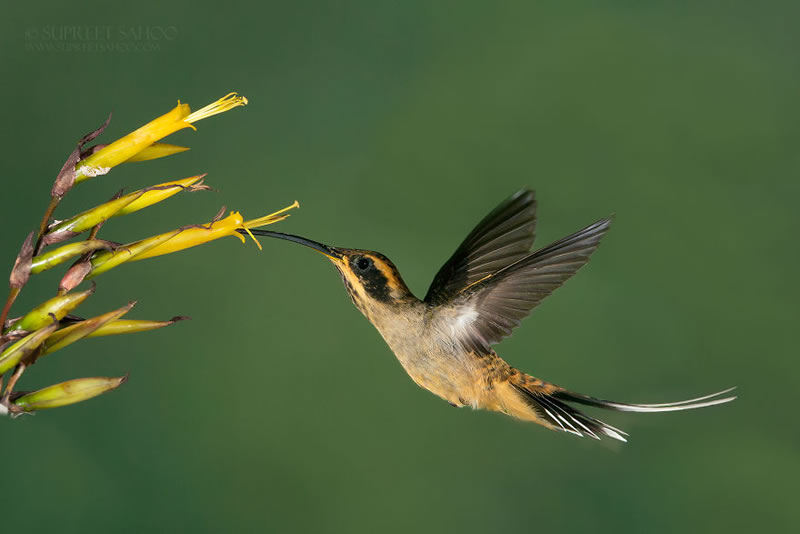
x=67 y=393
x=72 y=333
x=88 y=219
x=55 y=257
x=54 y=309
x=23 y=348
x=132 y=326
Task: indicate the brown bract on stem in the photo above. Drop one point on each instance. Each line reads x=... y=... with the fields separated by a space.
x=66 y=179
x=19 y=275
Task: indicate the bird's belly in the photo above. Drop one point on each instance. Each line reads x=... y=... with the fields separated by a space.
x=441 y=373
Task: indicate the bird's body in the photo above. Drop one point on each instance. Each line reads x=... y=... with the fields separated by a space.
x=425 y=340
x=444 y=341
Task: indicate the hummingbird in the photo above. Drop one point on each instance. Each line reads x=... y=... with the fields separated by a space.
x=490 y=283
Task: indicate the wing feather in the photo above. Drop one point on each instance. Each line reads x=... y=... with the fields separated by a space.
x=500 y=239
x=500 y=300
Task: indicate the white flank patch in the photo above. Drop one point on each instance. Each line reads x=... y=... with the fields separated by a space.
x=464 y=320
x=3 y=410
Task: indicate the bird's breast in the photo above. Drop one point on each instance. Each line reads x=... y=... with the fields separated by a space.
x=432 y=358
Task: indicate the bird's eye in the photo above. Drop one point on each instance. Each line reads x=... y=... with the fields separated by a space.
x=363 y=263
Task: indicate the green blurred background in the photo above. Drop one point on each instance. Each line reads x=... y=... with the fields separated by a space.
x=398 y=125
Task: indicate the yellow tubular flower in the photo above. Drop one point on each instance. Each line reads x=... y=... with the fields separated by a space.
x=197 y=235
x=129 y=146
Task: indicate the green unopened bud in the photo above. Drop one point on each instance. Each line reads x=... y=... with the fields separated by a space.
x=105 y=261
x=68 y=392
x=55 y=308
x=55 y=257
x=88 y=219
x=24 y=348
x=132 y=326
x=66 y=336
x=157 y=150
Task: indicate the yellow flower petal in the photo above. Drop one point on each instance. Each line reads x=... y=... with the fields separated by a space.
x=155 y=151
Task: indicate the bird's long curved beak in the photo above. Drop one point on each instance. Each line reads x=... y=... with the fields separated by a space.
x=330 y=252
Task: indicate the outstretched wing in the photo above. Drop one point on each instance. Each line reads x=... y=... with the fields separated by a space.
x=486 y=311
x=501 y=238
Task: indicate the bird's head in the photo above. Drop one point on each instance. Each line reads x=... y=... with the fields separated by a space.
x=370 y=278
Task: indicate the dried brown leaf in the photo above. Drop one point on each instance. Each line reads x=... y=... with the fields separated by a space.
x=74 y=275
x=66 y=176
x=22 y=265
x=220 y=214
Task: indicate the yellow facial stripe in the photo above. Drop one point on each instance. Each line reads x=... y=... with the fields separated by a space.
x=389 y=273
x=349 y=275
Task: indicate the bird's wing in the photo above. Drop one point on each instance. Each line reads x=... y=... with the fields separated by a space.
x=486 y=311
x=501 y=238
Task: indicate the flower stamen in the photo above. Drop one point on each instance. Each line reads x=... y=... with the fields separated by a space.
x=229 y=101
x=272 y=217
x=246 y=229
x=267 y=219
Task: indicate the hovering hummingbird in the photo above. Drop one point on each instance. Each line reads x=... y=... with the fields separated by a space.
x=492 y=281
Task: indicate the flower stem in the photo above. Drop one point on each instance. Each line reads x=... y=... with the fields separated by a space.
x=12 y=296
x=54 y=200
x=12 y=382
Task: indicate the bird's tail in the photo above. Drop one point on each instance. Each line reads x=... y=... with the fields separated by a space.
x=549 y=403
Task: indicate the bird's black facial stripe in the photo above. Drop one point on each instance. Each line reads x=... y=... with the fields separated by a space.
x=372 y=279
